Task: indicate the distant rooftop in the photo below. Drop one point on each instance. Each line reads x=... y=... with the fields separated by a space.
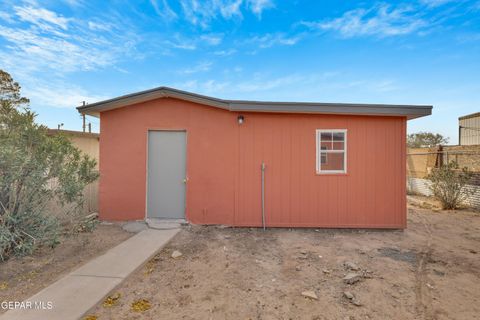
x=73 y=133
x=468 y=116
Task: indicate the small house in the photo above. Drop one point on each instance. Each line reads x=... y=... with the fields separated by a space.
x=171 y=154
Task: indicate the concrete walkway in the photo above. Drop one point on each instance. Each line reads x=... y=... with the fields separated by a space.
x=76 y=293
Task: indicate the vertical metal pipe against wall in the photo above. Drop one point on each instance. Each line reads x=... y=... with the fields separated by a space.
x=263 y=195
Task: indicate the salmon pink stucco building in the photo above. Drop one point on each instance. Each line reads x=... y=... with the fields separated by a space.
x=171 y=154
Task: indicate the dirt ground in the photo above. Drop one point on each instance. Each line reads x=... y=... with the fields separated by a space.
x=429 y=271
x=24 y=276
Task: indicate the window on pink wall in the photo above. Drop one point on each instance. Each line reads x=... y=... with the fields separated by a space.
x=331 y=150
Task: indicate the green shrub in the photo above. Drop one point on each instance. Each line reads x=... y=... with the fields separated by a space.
x=448 y=185
x=35 y=169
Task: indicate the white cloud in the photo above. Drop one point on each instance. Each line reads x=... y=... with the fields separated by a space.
x=49 y=42
x=200 y=67
x=39 y=53
x=58 y=95
x=203 y=12
x=41 y=44
x=99 y=26
x=178 y=41
x=163 y=9
x=379 y=21
x=225 y=53
x=300 y=87
x=6 y=17
x=435 y=3
x=231 y=9
x=258 y=6
x=385 y=86
x=74 y=3
x=206 y=87
x=42 y=18
x=214 y=86
x=195 y=13
x=271 y=39
x=260 y=84
x=212 y=39
x=184 y=44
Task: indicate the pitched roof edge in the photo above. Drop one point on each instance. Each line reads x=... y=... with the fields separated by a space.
x=410 y=111
x=469 y=116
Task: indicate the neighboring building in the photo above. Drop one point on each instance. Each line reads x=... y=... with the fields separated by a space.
x=469 y=129
x=166 y=153
x=89 y=144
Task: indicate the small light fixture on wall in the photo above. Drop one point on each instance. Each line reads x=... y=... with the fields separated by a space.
x=240 y=119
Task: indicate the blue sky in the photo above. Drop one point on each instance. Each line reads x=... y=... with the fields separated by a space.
x=399 y=52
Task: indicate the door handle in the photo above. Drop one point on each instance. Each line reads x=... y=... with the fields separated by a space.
x=185 y=180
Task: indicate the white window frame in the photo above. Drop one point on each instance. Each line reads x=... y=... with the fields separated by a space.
x=319 y=149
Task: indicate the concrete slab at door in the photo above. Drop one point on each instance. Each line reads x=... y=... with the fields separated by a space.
x=166 y=174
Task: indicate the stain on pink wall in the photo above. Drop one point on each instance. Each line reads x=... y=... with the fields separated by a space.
x=223 y=166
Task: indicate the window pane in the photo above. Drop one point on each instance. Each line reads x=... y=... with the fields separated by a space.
x=338 y=136
x=335 y=162
x=326 y=136
x=323 y=156
x=337 y=145
x=325 y=145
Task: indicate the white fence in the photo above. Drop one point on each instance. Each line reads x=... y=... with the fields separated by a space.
x=421 y=186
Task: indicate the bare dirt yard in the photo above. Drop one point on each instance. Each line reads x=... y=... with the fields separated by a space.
x=22 y=277
x=429 y=271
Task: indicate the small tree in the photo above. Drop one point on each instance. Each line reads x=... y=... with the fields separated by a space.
x=448 y=185
x=425 y=139
x=35 y=169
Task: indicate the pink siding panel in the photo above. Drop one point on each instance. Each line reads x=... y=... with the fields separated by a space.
x=224 y=159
